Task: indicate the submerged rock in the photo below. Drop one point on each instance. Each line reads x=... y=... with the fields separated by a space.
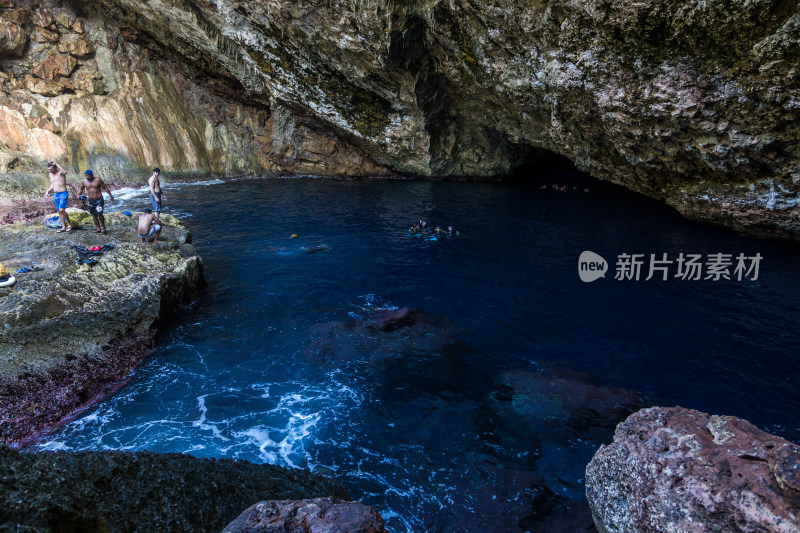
x=675 y=469
x=381 y=334
x=321 y=515
x=113 y=491
x=72 y=332
x=546 y=399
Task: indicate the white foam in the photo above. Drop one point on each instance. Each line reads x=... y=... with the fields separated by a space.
x=202 y=422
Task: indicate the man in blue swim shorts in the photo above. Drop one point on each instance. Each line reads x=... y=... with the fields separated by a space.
x=156 y=194
x=58 y=184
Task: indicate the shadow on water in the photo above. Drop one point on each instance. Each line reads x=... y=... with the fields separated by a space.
x=457 y=384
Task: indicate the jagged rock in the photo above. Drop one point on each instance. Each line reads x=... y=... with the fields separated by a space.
x=675 y=469
x=12 y=39
x=321 y=515
x=43 y=18
x=76 y=45
x=113 y=491
x=64 y=20
x=47 y=36
x=54 y=67
x=72 y=333
x=43 y=87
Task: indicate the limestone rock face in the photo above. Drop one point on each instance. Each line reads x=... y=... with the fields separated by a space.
x=675 y=469
x=321 y=515
x=84 y=95
x=140 y=491
x=692 y=103
x=72 y=332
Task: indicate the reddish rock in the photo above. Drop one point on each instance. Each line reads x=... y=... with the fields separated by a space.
x=676 y=469
x=321 y=515
x=46 y=124
x=58 y=66
x=6 y=4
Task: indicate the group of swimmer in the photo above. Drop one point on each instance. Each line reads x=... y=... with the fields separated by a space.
x=562 y=188
x=93 y=188
x=423 y=228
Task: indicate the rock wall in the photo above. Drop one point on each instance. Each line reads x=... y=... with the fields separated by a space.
x=73 y=88
x=693 y=103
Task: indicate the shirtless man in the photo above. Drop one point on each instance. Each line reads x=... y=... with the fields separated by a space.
x=156 y=194
x=58 y=184
x=94 y=188
x=149 y=225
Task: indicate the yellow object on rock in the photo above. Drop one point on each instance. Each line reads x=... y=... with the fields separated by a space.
x=3 y=271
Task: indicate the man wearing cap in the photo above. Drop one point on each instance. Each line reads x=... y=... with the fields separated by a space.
x=156 y=194
x=58 y=184
x=94 y=188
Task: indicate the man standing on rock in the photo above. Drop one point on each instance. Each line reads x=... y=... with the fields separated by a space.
x=156 y=194
x=58 y=184
x=94 y=188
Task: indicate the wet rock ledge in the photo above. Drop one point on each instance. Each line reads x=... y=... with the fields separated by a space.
x=71 y=333
x=676 y=469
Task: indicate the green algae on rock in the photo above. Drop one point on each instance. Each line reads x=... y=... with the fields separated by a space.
x=115 y=491
x=71 y=333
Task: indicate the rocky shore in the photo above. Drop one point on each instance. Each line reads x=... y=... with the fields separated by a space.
x=71 y=333
x=114 y=491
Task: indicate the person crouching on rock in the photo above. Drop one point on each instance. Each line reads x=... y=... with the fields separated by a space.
x=94 y=188
x=58 y=184
x=149 y=225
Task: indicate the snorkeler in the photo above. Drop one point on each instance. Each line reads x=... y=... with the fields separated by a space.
x=453 y=231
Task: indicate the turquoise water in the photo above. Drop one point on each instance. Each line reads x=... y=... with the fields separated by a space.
x=271 y=365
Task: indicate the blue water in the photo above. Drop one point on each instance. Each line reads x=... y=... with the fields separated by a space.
x=412 y=426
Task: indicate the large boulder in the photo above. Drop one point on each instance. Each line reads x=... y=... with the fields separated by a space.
x=320 y=515
x=116 y=492
x=675 y=469
x=70 y=333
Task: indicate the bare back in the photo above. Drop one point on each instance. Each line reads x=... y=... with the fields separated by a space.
x=145 y=221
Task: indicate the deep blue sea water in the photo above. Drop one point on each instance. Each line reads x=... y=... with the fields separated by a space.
x=413 y=427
